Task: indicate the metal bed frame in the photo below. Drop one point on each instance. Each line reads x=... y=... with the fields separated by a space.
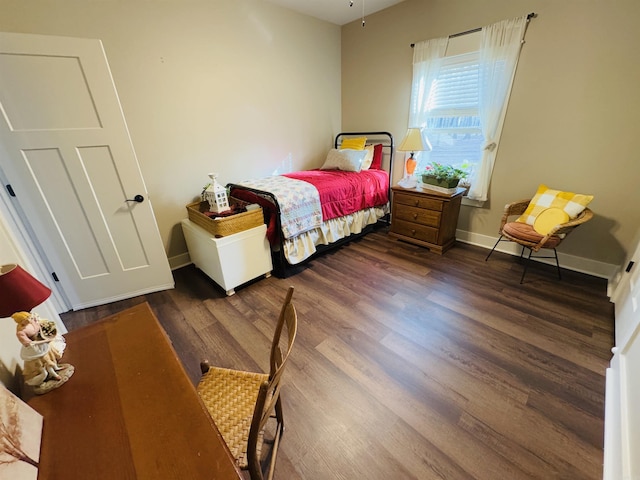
x=281 y=267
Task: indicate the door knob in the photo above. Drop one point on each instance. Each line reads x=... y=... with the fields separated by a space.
x=138 y=199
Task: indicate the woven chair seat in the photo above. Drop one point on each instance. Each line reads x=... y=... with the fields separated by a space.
x=230 y=396
x=521 y=232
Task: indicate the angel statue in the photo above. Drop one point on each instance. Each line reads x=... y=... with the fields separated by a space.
x=42 y=347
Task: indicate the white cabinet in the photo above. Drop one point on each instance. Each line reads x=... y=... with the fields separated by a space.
x=622 y=412
x=229 y=261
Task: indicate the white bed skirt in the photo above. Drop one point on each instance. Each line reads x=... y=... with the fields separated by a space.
x=302 y=246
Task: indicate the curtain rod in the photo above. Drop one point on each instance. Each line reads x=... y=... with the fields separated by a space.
x=474 y=30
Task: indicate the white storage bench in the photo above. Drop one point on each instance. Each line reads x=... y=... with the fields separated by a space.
x=232 y=260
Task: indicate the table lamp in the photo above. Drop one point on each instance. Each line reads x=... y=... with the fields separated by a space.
x=414 y=141
x=42 y=347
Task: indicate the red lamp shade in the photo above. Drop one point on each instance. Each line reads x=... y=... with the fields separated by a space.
x=19 y=291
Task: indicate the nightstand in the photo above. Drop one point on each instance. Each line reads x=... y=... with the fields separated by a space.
x=425 y=217
x=232 y=260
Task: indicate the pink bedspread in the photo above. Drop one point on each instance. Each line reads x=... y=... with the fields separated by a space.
x=343 y=193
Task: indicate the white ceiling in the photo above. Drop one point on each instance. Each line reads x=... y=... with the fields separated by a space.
x=336 y=11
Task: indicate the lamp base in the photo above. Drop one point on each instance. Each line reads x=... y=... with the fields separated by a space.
x=408 y=182
x=65 y=373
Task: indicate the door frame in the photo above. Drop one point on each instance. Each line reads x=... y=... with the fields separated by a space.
x=30 y=253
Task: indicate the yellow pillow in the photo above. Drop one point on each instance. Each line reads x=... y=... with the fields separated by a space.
x=356 y=143
x=548 y=219
x=572 y=203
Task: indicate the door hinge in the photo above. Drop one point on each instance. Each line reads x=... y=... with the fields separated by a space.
x=55 y=277
x=629 y=267
x=10 y=190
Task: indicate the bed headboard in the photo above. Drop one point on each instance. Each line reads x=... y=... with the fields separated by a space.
x=374 y=138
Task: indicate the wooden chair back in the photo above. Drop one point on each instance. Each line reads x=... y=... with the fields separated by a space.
x=268 y=403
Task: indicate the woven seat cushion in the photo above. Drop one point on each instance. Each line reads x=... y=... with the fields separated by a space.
x=525 y=232
x=230 y=396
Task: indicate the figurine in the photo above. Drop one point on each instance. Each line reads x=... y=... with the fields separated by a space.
x=41 y=349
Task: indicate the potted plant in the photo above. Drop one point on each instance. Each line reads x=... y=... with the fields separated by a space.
x=444 y=176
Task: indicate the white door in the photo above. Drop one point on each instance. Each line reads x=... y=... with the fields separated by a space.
x=70 y=161
x=622 y=417
x=627 y=310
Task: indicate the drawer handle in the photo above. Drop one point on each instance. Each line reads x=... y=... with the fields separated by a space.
x=415 y=216
x=413 y=232
x=416 y=202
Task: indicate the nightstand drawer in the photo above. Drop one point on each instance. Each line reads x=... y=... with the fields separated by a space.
x=415 y=231
x=422 y=216
x=417 y=201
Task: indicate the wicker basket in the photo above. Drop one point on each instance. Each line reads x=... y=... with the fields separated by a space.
x=224 y=226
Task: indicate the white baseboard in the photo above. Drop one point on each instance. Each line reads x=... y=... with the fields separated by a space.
x=179 y=261
x=570 y=262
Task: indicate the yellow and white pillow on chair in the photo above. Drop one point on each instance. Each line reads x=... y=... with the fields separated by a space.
x=545 y=198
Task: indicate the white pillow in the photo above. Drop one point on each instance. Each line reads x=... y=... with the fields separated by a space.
x=344 y=159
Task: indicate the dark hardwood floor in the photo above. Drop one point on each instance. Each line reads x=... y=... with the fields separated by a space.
x=411 y=365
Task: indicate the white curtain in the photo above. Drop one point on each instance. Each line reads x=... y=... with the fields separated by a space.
x=427 y=59
x=499 y=52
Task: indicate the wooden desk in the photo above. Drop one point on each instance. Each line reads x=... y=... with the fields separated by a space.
x=129 y=411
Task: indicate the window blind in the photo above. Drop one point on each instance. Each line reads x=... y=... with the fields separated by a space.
x=456 y=90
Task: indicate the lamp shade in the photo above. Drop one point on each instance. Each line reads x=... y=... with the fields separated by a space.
x=19 y=291
x=414 y=141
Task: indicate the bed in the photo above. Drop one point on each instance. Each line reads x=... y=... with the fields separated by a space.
x=309 y=212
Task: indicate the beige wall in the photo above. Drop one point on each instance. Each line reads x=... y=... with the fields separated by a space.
x=10 y=360
x=572 y=119
x=238 y=87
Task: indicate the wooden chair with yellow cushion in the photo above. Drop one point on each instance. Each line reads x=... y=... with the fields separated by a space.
x=543 y=222
x=243 y=403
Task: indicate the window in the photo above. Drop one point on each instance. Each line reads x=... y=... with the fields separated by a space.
x=452 y=117
x=461 y=99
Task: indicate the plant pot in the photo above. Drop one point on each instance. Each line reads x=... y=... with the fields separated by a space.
x=431 y=180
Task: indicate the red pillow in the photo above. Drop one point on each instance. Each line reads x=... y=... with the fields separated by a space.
x=376 y=163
